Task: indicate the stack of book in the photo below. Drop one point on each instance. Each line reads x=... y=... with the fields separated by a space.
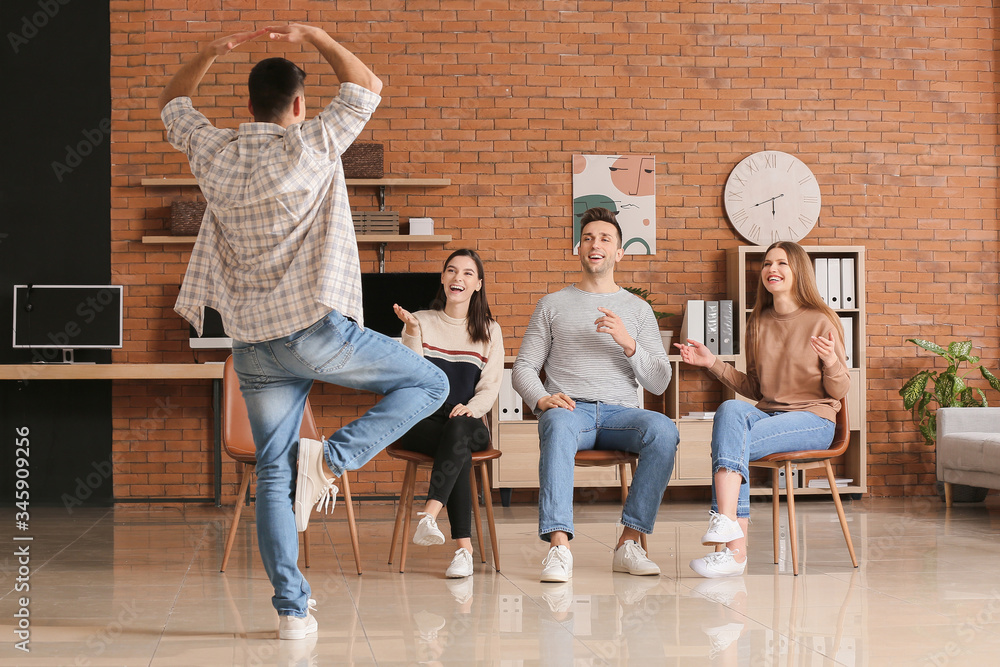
x=699 y=415
x=824 y=483
x=710 y=323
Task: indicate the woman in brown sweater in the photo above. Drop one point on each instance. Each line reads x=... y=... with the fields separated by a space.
x=797 y=373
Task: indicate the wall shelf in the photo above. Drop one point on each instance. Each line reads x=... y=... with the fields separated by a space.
x=414 y=181
x=362 y=238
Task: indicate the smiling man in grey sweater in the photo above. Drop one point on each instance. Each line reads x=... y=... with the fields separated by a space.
x=596 y=341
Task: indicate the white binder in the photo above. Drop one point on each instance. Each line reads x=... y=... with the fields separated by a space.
x=848 y=324
x=693 y=326
x=833 y=282
x=821 y=279
x=847 y=291
x=727 y=334
x=511 y=405
x=712 y=326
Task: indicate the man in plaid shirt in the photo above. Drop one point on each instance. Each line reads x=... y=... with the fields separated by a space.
x=277 y=257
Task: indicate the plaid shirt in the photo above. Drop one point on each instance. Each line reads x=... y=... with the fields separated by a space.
x=277 y=248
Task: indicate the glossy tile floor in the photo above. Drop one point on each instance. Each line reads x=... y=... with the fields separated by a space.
x=142 y=587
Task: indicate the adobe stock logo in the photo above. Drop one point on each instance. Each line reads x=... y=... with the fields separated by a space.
x=75 y=154
x=30 y=25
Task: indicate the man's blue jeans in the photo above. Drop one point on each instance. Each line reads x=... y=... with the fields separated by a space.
x=562 y=433
x=741 y=433
x=275 y=378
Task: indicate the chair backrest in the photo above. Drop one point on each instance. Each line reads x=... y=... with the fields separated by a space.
x=842 y=431
x=237 y=438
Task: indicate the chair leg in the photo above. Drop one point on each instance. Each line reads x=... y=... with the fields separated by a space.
x=305 y=545
x=947 y=494
x=840 y=511
x=790 y=491
x=775 y=519
x=411 y=471
x=238 y=510
x=623 y=478
x=477 y=522
x=404 y=493
x=351 y=525
x=488 y=498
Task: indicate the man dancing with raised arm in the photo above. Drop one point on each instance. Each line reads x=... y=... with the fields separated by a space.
x=278 y=258
x=595 y=340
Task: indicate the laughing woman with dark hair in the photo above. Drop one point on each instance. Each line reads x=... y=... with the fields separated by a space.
x=458 y=335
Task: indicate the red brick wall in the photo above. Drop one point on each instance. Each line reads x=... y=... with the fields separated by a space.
x=892 y=103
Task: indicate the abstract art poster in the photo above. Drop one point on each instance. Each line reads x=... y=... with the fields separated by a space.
x=624 y=184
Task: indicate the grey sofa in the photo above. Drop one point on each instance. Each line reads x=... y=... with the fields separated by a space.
x=968 y=449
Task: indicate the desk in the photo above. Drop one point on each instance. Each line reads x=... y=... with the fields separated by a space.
x=211 y=372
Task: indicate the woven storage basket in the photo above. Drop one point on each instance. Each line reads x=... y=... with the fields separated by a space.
x=185 y=217
x=363 y=160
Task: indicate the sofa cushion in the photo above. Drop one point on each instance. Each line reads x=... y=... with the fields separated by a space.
x=979 y=452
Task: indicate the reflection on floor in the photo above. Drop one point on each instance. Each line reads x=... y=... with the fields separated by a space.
x=142 y=587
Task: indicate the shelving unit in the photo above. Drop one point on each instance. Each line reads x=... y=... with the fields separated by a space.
x=742 y=271
x=380 y=183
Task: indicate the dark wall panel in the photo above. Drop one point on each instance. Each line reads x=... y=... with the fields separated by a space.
x=55 y=205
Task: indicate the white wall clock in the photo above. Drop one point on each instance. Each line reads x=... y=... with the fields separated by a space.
x=772 y=196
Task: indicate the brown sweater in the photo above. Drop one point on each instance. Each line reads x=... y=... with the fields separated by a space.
x=787 y=375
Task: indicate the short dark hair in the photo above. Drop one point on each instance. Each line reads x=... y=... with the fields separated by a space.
x=274 y=83
x=603 y=215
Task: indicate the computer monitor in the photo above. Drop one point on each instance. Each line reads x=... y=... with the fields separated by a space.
x=68 y=317
x=213 y=334
x=379 y=291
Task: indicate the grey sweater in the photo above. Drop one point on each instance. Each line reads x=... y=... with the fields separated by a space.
x=583 y=363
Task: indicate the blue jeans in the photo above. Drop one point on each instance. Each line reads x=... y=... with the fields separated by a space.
x=562 y=433
x=275 y=378
x=741 y=433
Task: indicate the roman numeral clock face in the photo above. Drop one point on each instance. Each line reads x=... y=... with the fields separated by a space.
x=772 y=196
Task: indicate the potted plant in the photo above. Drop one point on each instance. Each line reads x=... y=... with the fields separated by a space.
x=665 y=336
x=946 y=389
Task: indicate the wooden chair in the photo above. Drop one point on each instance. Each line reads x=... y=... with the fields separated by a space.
x=626 y=462
x=404 y=513
x=237 y=440
x=806 y=460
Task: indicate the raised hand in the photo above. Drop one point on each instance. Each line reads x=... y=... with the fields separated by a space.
x=824 y=349
x=293 y=33
x=224 y=45
x=611 y=324
x=695 y=354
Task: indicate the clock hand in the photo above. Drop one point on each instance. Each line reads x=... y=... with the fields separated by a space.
x=771 y=200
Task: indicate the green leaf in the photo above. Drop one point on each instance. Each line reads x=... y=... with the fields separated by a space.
x=929 y=346
x=960 y=349
x=929 y=431
x=914 y=388
x=994 y=382
x=947 y=389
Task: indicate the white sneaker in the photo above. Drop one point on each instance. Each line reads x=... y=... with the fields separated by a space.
x=558 y=598
x=557 y=564
x=723 y=636
x=293 y=627
x=721 y=530
x=719 y=564
x=428 y=624
x=631 y=558
x=428 y=534
x=461 y=565
x=312 y=486
x=723 y=591
x=461 y=589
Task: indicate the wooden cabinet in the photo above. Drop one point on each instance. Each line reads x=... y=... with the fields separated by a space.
x=743 y=265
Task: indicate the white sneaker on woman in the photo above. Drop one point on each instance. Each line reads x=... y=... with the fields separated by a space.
x=721 y=530
x=461 y=565
x=312 y=486
x=428 y=534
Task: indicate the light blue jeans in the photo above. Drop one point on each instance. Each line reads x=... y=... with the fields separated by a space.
x=275 y=378
x=741 y=433
x=562 y=433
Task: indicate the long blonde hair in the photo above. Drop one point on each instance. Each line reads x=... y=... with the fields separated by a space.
x=804 y=289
